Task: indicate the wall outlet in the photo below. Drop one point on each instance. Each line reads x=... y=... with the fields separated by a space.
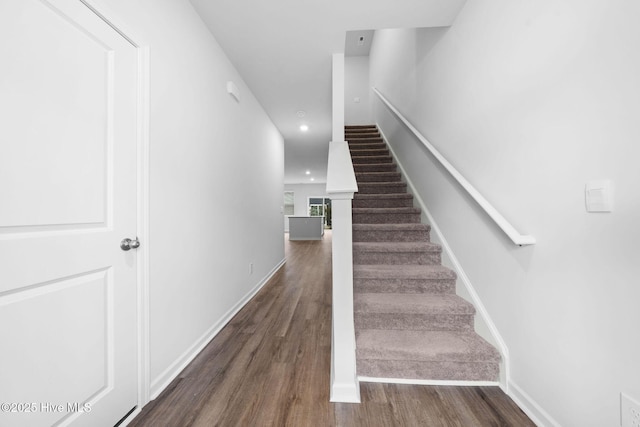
x=629 y=411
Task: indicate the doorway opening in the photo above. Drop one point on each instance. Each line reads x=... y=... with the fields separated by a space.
x=320 y=206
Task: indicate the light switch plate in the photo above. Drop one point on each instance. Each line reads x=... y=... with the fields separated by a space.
x=599 y=196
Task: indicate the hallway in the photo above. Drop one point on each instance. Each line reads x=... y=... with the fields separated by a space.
x=270 y=367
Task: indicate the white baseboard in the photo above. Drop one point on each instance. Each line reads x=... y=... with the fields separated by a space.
x=169 y=374
x=130 y=417
x=494 y=336
x=343 y=392
x=530 y=407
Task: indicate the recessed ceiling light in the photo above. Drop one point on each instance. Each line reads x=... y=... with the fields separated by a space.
x=312 y=179
x=308 y=172
x=304 y=128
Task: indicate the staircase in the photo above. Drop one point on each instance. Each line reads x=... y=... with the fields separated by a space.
x=409 y=322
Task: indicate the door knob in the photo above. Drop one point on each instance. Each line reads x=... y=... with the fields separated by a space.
x=127 y=244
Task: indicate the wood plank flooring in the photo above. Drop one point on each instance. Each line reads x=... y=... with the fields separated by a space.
x=270 y=366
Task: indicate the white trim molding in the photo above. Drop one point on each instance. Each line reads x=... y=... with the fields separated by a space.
x=530 y=407
x=104 y=12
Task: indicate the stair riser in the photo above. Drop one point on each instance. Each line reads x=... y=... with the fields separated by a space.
x=375 y=167
x=364 y=145
x=396 y=258
x=372 y=188
x=395 y=218
x=358 y=128
x=361 y=131
x=390 y=236
x=378 y=177
x=369 y=152
x=382 y=203
x=360 y=160
x=356 y=142
x=414 y=322
x=409 y=286
x=445 y=371
x=359 y=136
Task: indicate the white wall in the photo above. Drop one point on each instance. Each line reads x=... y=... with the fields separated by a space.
x=216 y=183
x=356 y=85
x=301 y=194
x=530 y=100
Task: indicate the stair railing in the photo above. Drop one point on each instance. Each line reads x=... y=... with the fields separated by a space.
x=341 y=185
x=505 y=226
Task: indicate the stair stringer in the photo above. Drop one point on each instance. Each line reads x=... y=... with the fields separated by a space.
x=483 y=324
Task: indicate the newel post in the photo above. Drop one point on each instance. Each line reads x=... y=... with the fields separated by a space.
x=344 y=381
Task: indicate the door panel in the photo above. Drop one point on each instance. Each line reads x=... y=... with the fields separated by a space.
x=56 y=58
x=67 y=198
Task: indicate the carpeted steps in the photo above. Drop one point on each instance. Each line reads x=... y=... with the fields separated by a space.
x=409 y=322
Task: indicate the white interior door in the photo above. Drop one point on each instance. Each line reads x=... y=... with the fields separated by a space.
x=68 y=332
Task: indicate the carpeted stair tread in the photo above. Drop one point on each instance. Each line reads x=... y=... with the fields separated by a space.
x=389 y=200
x=396 y=253
x=356 y=141
x=365 y=145
x=356 y=127
x=375 y=167
x=413 y=279
x=371 y=159
x=406 y=272
x=381 y=187
x=391 y=227
x=386 y=210
x=372 y=135
x=394 y=247
x=457 y=346
x=405 y=311
x=386 y=215
x=387 y=176
x=411 y=303
x=357 y=132
x=367 y=152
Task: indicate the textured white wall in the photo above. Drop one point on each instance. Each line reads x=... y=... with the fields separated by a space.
x=530 y=100
x=356 y=85
x=216 y=181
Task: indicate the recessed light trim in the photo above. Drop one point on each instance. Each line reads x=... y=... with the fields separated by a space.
x=304 y=128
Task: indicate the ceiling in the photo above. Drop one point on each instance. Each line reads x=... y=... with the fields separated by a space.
x=283 y=49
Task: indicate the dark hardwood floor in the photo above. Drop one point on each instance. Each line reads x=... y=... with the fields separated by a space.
x=270 y=367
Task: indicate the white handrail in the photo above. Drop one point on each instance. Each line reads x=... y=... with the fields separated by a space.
x=508 y=229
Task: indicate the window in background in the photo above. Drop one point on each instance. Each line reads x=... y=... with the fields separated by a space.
x=321 y=206
x=288 y=203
